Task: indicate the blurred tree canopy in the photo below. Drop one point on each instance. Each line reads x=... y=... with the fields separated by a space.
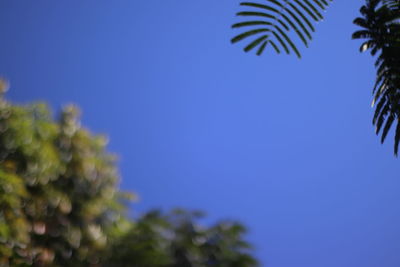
x=177 y=239
x=60 y=204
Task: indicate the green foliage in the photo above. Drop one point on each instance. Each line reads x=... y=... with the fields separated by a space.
x=276 y=20
x=59 y=204
x=176 y=239
x=381 y=29
x=58 y=188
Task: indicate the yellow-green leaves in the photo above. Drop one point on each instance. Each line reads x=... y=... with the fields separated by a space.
x=57 y=189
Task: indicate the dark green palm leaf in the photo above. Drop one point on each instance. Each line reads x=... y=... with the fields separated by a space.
x=255 y=43
x=305 y=19
x=361 y=22
x=381 y=118
x=363 y=34
x=251 y=23
x=262 y=47
x=313 y=8
x=281 y=42
x=388 y=124
x=307 y=10
x=381 y=104
x=275 y=47
x=281 y=21
x=258 y=14
x=247 y=34
x=380 y=23
x=397 y=138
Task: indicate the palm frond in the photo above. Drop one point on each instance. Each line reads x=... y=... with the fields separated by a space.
x=278 y=22
x=381 y=28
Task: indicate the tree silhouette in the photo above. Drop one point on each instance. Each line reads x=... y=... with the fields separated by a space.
x=278 y=22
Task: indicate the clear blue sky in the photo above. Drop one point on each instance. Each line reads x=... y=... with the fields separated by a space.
x=284 y=145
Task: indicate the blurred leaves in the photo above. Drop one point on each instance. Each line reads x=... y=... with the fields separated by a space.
x=60 y=204
x=177 y=239
x=57 y=185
